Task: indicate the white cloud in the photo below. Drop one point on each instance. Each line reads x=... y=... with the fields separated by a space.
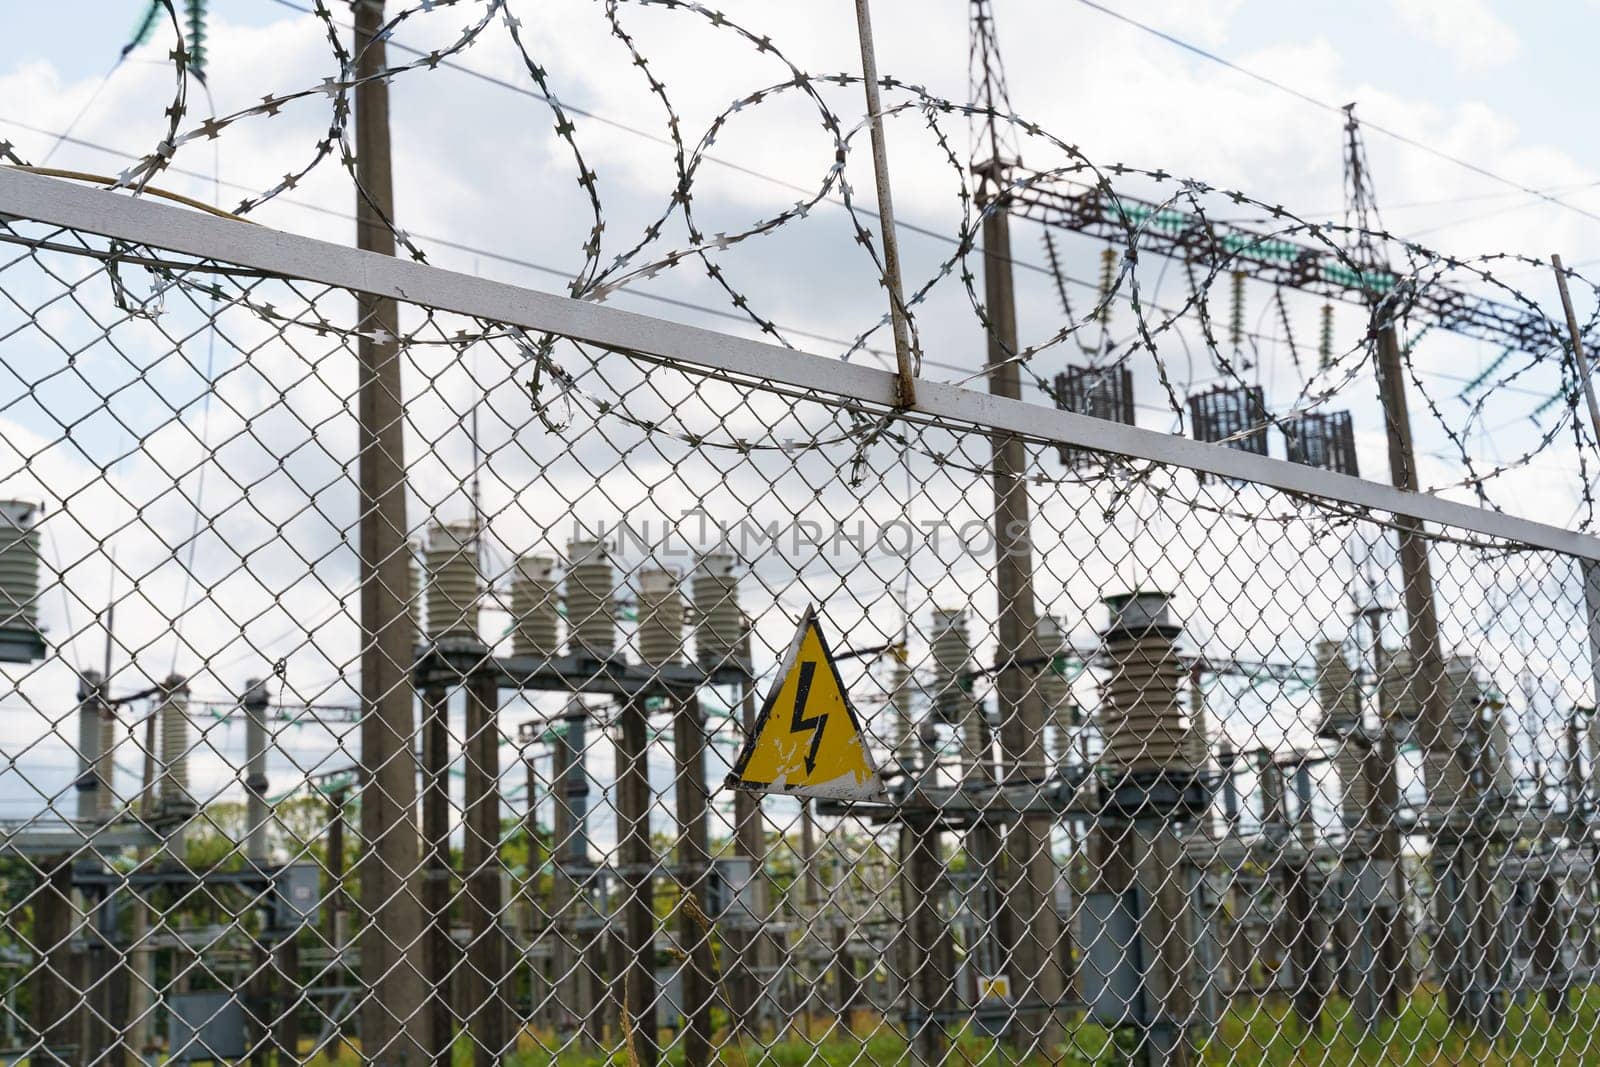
x=477 y=164
x=1469 y=30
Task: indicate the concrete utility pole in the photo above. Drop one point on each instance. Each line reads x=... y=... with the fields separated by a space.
x=1032 y=939
x=394 y=1026
x=1422 y=620
x=1458 y=849
x=487 y=1019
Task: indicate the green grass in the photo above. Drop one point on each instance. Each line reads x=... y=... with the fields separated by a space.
x=1255 y=1032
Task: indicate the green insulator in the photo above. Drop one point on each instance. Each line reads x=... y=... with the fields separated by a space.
x=1236 y=318
x=1108 y=275
x=196 y=12
x=1325 y=344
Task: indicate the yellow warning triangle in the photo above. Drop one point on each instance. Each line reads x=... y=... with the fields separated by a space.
x=808 y=741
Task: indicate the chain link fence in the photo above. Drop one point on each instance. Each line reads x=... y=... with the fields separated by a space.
x=1179 y=767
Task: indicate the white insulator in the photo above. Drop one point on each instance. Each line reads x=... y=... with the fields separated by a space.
x=1198 y=738
x=660 y=618
x=1463 y=692
x=1400 y=689
x=106 y=766
x=1355 y=792
x=1592 y=743
x=1141 y=714
x=453 y=586
x=952 y=658
x=414 y=592
x=905 y=733
x=1497 y=753
x=590 y=595
x=1337 y=693
x=173 y=788
x=535 y=608
x=1055 y=691
x=1444 y=766
x=1445 y=779
x=19 y=566
x=1464 y=702
x=1050 y=678
x=718 y=622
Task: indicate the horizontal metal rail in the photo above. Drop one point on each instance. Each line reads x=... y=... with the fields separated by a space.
x=145 y=222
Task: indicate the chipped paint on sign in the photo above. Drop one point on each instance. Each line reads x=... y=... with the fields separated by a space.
x=807 y=740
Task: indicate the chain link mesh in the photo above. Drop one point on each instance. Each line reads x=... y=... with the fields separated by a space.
x=1170 y=775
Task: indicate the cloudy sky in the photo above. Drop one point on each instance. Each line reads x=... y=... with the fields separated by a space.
x=1463 y=88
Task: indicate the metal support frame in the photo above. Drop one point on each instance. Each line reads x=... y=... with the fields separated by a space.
x=1274 y=261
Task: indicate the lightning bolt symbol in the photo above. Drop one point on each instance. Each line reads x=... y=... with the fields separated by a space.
x=798 y=721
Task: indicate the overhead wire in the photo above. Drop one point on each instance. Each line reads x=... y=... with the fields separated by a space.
x=1307 y=98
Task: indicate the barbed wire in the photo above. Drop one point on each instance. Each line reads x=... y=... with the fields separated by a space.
x=642 y=258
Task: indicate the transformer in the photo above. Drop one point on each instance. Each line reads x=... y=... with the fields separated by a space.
x=1099 y=392
x=1235 y=416
x=1322 y=439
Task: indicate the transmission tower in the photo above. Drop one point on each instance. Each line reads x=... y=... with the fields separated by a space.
x=1360 y=199
x=994 y=141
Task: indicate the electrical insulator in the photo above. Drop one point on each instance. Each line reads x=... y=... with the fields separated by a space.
x=1336 y=689
x=1497 y=753
x=719 y=625
x=952 y=658
x=1236 y=317
x=1355 y=792
x=173 y=788
x=1444 y=772
x=660 y=618
x=1462 y=691
x=1055 y=692
x=905 y=734
x=1399 y=689
x=1325 y=344
x=1108 y=277
x=590 y=595
x=413 y=592
x=1199 y=732
x=535 y=610
x=1141 y=716
x=453 y=588
x=20 y=639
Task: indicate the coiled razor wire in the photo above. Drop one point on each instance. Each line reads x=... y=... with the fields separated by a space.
x=601 y=275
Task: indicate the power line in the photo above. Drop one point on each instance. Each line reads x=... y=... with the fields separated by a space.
x=678 y=302
x=1325 y=106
